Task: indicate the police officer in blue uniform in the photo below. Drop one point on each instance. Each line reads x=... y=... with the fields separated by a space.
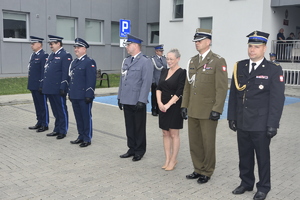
x=255 y=106
x=135 y=82
x=159 y=62
x=55 y=84
x=83 y=72
x=35 y=75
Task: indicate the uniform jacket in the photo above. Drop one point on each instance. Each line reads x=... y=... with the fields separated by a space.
x=160 y=63
x=36 y=69
x=83 y=74
x=209 y=90
x=56 y=74
x=260 y=104
x=136 y=80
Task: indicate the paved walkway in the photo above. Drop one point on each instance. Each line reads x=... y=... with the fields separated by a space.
x=37 y=167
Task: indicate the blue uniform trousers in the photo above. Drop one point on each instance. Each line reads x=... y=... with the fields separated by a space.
x=41 y=108
x=60 y=112
x=250 y=142
x=83 y=116
x=135 y=122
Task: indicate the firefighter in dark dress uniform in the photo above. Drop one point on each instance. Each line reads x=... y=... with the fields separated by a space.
x=55 y=85
x=255 y=106
x=83 y=72
x=35 y=75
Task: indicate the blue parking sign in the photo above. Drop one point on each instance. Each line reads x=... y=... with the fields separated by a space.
x=124 y=27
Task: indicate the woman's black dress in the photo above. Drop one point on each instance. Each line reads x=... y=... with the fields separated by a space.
x=172 y=86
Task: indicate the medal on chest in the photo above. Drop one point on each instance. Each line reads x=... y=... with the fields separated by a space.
x=261 y=87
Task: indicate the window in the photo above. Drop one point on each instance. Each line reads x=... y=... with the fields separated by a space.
x=178 y=9
x=153 y=33
x=93 y=31
x=115 y=32
x=15 y=26
x=66 y=27
x=206 y=22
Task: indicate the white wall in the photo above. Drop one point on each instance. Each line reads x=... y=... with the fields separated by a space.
x=232 y=21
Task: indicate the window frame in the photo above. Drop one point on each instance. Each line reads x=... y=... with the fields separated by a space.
x=174 y=11
x=208 y=17
x=66 y=41
x=149 y=33
x=27 y=27
x=101 y=31
x=118 y=35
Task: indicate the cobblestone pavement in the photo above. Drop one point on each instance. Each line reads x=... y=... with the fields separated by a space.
x=34 y=166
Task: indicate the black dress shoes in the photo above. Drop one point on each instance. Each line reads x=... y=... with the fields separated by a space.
x=137 y=158
x=193 y=175
x=34 y=127
x=203 y=179
x=154 y=113
x=60 y=136
x=260 y=196
x=85 y=144
x=77 y=141
x=52 y=134
x=126 y=155
x=42 y=129
x=240 y=190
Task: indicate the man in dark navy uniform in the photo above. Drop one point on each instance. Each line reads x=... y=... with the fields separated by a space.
x=55 y=84
x=159 y=62
x=135 y=82
x=255 y=106
x=35 y=75
x=83 y=72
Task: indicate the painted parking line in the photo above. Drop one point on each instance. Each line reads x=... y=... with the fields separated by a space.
x=112 y=100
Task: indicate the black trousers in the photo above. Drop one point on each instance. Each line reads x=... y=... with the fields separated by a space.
x=135 y=123
x=250 y=142
x=154 y=105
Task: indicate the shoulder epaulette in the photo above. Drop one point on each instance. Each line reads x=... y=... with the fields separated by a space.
x=194 y=56
x=217 y=55
x=274 y=63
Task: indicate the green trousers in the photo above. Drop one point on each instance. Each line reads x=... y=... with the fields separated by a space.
x=202 y=139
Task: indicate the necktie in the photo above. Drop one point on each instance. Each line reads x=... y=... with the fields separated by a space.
x=252 y=69
x=132 y=59
x=200 y=59
x=160 y=59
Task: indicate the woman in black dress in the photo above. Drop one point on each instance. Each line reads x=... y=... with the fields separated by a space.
x=169 y=92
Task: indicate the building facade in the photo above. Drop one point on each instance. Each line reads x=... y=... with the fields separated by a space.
x=96 y=21
x=230 y=21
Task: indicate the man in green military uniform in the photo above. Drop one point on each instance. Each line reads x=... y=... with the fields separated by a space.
x=203 y=100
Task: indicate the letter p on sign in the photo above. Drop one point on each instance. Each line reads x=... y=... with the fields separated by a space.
x=124 y=27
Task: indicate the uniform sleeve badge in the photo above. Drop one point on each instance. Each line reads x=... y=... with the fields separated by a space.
x=224 y=68
x=281 y=78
